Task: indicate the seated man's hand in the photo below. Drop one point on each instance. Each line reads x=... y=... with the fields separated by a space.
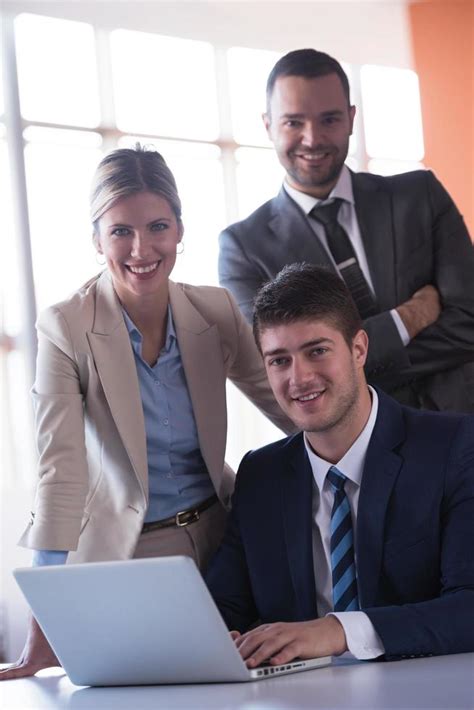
x=283 y=642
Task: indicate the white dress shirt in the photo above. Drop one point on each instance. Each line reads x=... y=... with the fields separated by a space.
x=363 y=641
x=347 y=218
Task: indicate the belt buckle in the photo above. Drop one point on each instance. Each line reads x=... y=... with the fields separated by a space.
x=182 y=524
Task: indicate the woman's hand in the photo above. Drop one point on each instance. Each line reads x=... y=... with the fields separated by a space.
x=36 y=655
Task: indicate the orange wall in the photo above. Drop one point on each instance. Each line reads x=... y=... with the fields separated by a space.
x=443 y=50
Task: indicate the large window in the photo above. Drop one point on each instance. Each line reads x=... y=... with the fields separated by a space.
x=392 y=119
x=164 y=85
x=84 y=90
x=57 y=71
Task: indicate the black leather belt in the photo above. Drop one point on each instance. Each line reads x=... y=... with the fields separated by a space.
x=181 y=519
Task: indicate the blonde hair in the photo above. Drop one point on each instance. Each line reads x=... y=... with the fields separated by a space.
x=127 y=171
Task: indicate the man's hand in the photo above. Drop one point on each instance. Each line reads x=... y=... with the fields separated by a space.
x=283 y=642
x=36 y=655
x=421 y=310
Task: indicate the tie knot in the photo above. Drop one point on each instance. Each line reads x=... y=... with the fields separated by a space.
x=336 y=478
x=327 y=214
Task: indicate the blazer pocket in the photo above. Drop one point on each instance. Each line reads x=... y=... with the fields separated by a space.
x=397 y=546
x=84 y=522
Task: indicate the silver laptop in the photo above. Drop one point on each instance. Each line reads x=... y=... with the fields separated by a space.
x=138 y=622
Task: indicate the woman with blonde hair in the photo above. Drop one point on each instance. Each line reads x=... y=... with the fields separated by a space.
x=130 y=397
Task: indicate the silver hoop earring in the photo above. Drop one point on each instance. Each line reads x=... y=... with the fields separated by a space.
x=101 y=263
x=178 y=250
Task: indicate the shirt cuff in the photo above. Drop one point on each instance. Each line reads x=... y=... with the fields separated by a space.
x=43 y=558
x=400 y=325
x=362 y=639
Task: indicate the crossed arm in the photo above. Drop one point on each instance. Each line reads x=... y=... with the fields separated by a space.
x=439 y=316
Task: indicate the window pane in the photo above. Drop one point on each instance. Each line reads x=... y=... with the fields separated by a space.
x=17 y=453
x=392 y=113
x=57 y=71
x=393 y=167
x=353 y=146
x=164 y=86
x=17 y=447
x=198 y=173
x=58 y=181
x=10 y=302
x=248 y=74
x=259 y=178
x=352 y=163
x=2 y=105
x=51 y=136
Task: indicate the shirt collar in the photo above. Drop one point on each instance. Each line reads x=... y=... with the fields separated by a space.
x=136 y=337
x=352 y=463
x=342 y=189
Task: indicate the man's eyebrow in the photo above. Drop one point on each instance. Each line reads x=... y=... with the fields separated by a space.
x=303 y=346
x=277 y=351
x=324 y=114
x=292 y=115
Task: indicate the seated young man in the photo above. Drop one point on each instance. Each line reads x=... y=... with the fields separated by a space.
x=357 y=533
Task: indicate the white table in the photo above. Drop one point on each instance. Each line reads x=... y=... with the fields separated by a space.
x=443 y=682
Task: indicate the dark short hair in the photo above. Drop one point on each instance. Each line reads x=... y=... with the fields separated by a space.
x=308 y=63
x=306 y=292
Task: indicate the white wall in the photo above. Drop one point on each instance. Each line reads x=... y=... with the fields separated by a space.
x=356 y=32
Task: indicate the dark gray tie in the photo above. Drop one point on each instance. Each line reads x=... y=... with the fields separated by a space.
x=345 y=257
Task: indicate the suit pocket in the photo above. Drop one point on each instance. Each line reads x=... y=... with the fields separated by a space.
x=404 y=545
x=411 y=570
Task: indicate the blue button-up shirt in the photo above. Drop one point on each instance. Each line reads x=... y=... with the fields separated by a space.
x=177 y=475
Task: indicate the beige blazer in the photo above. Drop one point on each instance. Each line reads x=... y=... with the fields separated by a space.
x=92 y=494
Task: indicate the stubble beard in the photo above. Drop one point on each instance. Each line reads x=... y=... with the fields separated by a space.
x=345 y=410
x=312 y=178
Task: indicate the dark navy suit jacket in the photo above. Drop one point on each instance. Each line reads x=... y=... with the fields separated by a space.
x=415 y=534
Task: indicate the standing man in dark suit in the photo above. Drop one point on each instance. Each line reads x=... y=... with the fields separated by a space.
x=398 y=242
x=356 y=534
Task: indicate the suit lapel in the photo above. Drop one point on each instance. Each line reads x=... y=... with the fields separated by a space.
x=201 y=355
x=113 y=357
x=374 y=215
x=297 y=506
x=295 y=237
x=382 y=466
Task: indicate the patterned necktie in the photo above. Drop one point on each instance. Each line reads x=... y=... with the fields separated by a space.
x=344 y=582
x=345 y=257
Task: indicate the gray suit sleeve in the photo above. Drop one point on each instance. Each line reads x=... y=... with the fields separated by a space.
x=386 y=351
x=247 y=372
x=449 y=342
x=238 y=273
x=448 y=249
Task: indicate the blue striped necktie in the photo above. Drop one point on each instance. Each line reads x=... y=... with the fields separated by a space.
x=344 y=582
